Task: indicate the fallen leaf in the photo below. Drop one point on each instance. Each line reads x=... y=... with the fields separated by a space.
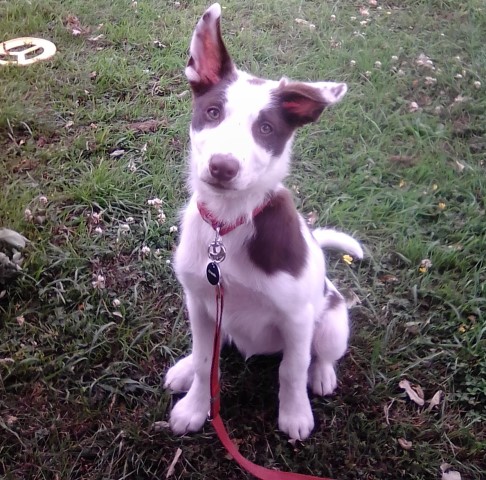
x=413 y=107
x=448 y=474
x=12 y=238
x=73 y=24
x=96 y=38
x=424 y=61
x=41 y=142
x=311 y=218
x=301 y=21
x=10 y=420
x=171 y=469
x=388 y=279
x=405 y=444
x=117 y=153
x=403 y=160
x=415 y=392
x=386 y=409
x=162 y=425
x=460 y=166
x=435 y=400
x=352 y=299
x=25 y=165
x=147 y=126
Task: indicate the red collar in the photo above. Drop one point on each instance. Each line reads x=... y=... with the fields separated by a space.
x=225 y=228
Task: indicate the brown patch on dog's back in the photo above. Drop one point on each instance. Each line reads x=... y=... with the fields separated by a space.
x=278 y=244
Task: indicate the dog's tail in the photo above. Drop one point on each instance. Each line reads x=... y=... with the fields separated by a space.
x=328 y=238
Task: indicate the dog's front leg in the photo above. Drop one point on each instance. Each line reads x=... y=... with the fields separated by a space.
x=190 y=413
x=295 y=415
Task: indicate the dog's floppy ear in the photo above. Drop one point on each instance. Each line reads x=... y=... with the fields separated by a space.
x=304 y=102
x=209 y=61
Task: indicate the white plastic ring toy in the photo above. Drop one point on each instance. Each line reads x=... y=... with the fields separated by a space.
x=25 y=51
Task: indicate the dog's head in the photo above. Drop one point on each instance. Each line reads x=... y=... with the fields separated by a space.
x=242 y=126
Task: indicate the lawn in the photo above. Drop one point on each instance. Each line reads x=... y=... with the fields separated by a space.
x=93 y=148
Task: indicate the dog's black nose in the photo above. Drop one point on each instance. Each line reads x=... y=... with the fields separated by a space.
x=223 y=167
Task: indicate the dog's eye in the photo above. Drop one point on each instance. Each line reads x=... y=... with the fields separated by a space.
x=213 y=113
x=266 y=128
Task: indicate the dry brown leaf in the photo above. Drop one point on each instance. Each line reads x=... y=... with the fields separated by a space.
x=162 y=425
x=301 y=21
x=386 y=409
x=96 y=38
x=311 y=218
x=387 y=278
x=435 y=400
x=171 y=469
x=460 y=166
x=10 y=420
x=73 y=24
x=405 y=444
x=147 y=126
x=448 y=474
x=403 y=160
x=415 y=392
x=352 y=299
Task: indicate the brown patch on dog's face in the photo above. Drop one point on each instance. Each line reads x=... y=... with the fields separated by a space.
x=278 y=244
x=205 y=104
x=276 y=138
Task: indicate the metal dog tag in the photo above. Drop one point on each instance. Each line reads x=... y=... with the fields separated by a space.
x=213 y=273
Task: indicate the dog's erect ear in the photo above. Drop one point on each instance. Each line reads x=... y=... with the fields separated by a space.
x=304 y=102
x=209 y=62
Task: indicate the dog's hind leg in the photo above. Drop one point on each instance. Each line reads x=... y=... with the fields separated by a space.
x=329 y=342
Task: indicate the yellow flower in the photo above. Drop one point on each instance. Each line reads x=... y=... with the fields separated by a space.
x=348 y=259
x=424 y=266
x=435 y=186
x=441 y=205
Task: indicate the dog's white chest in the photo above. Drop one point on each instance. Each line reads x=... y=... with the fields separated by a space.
x=250 y=316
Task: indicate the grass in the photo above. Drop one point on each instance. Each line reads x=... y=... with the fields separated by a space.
x=93 y=321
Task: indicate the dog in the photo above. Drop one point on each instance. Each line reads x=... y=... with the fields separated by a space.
x=277 y=297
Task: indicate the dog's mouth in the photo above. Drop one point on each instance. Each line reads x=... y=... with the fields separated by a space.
x=218 y=186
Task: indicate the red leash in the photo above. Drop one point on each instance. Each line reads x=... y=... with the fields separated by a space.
x=217 y=254
x=256 y=470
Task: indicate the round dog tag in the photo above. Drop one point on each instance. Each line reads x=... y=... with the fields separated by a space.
x=213 y=273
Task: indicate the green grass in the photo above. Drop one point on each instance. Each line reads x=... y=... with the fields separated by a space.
x=81 y=367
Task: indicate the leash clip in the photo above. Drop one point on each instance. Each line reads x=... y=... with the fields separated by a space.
x=216 y=249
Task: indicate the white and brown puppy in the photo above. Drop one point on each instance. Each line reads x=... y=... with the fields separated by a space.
x=277 y=296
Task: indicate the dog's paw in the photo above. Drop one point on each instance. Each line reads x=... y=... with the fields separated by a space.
x=188 y=415
x=322 y=378
x=297 y=422
x=179 y=377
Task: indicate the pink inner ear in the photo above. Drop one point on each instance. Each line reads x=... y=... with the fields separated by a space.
x=301 y=108
x=210 y=60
